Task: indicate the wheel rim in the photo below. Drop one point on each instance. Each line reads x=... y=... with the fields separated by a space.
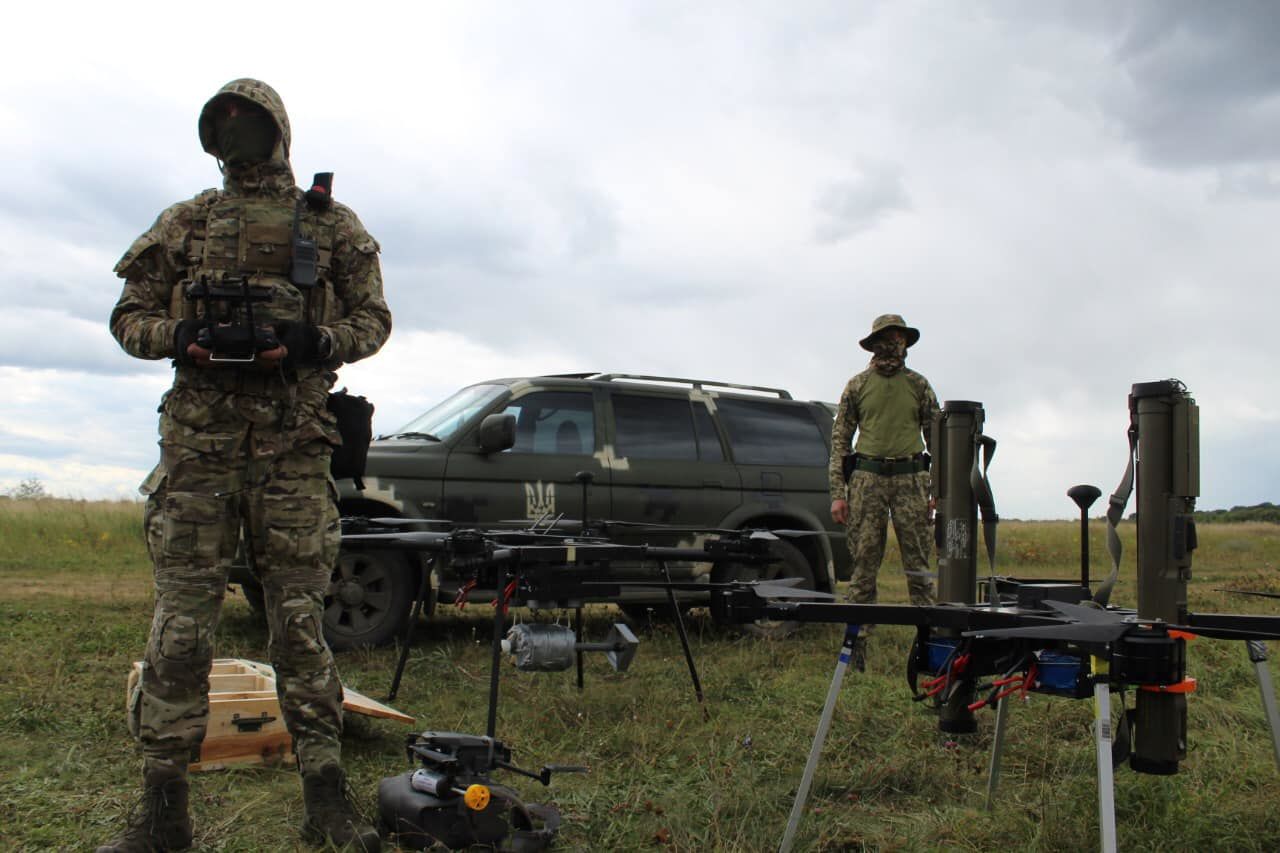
x=359 y=594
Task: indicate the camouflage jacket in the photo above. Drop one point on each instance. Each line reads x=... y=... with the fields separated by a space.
x=245 y=227
x=901 y=432
x=145 y=318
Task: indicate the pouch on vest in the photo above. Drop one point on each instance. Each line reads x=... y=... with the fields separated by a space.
x=355 y=424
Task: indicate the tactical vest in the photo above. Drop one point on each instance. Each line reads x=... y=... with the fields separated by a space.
x=234 y=236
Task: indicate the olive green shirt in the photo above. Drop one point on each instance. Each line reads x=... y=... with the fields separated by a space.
x=889 y=415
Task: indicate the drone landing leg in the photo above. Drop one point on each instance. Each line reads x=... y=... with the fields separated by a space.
x=577 y=631
x=819 y=738
x=1258 y=654
x=1102 y=734
x=684 y=640
x=499 y=622
x=418 y=603
x=997 y=749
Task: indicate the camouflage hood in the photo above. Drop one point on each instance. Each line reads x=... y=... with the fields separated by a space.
x=277 y=173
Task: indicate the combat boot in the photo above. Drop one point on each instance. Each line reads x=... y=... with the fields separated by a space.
x=858 y=659
x=328 y=815
x=161 y=821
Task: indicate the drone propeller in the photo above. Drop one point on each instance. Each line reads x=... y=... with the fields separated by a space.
x=788 y=588
x=407 y=537
x=1088 y=625
x=1250 y=592
x=401 y=521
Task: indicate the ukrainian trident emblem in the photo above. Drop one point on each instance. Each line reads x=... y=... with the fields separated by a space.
x=539 y=499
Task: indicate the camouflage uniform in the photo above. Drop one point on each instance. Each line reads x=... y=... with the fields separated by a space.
x=889 y=413
x=245 y=444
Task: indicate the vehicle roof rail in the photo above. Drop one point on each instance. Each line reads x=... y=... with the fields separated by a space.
x=696 y=383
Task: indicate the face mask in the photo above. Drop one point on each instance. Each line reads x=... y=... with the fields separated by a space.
x=248 y=136
x=888 y=356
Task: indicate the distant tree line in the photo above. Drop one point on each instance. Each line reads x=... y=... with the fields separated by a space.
x=1265 y=511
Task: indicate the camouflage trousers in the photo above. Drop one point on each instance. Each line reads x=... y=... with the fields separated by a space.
x=214 y=481
x=873 y=500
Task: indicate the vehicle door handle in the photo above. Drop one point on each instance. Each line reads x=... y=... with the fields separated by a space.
x=714 y=484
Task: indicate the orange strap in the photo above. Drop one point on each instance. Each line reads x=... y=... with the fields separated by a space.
x=1186 y=685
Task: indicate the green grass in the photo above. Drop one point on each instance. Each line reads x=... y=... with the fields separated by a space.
x=76 y=601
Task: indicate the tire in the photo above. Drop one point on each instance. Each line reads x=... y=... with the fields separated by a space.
x=790 y=563
x=369 y=600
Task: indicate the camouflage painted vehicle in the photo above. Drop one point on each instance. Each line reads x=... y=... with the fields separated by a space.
x=660 y=449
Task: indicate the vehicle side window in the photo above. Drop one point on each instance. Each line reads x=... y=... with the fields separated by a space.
x=554 y=422
x=653 y=427
x=709 y=449
x=770 y=434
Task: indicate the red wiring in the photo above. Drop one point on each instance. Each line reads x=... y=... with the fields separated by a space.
x=460 y=600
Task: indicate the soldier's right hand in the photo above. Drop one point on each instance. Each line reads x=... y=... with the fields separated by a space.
x=840 y=511
x=185 y=349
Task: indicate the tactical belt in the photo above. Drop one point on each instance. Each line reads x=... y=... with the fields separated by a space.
x=888 y=466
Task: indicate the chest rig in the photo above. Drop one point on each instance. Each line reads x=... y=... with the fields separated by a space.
x=258 y=261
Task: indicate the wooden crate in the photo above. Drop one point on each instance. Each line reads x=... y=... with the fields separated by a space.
x=245 y=723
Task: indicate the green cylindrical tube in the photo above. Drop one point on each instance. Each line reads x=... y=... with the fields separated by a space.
x=1168 y=477
x=955 y=429
x=956 y=532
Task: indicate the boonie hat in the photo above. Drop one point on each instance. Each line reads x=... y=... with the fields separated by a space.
x=889 y=321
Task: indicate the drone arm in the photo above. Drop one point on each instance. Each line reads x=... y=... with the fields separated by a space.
x=1231 y=626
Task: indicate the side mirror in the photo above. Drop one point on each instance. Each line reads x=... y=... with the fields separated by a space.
x=497 y=433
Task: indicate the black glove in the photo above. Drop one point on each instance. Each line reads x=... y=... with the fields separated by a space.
x=302 y=340
x=184 y=336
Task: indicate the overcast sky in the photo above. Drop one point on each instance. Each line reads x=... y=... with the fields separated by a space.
x=1064 y=198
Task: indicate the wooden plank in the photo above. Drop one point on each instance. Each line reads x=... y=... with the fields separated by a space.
x=353 y=700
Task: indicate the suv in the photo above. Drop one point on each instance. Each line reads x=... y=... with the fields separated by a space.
x=659 y=449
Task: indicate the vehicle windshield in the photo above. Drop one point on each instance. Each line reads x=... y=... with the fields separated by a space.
x=444 y=419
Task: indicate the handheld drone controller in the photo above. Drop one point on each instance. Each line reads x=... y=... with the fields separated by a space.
x=229 y=330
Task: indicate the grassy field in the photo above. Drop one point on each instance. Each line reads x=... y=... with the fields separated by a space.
x=75 y=604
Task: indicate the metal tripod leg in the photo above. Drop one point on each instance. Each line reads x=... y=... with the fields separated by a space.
x=684 y=640
x=819 y=737
x=997 y=749
x=1102 y=735
x=1258 y=654
x=424 y=590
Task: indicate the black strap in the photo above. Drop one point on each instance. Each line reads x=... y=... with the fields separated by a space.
x=984 y=447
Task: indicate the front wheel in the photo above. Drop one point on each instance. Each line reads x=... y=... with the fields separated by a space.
x=369 y=599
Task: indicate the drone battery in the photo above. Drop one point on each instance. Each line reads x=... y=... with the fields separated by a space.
x=435 y=784
x=941 y=650
x=1061 y=674
x=1031 y=596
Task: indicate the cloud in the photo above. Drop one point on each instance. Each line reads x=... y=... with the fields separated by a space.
x=1065 y=199
x=1198 y=82
x=850 y=206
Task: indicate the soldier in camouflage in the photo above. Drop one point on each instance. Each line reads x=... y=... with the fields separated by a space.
x=889 y=406
x=246 y=444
